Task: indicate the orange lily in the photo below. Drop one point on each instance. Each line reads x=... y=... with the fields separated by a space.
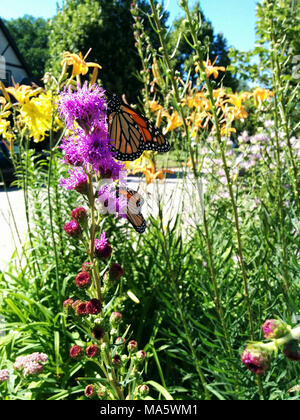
x=174 y=121
x=210 y=68
x=151 y=174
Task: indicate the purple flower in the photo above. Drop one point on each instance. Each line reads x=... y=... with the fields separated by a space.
x=256 y=360
x=103 y=249
x=77 y=181
x=109 y=202
x=4 y=375
x=31 y=364
x=87 y=105
x=73 y=229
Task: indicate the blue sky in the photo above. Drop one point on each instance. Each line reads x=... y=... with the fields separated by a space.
x=234 y=18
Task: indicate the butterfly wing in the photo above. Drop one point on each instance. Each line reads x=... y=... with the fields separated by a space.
x=132 y=132
x=134 y=204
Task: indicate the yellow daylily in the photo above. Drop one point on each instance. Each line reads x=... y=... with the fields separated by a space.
x=210 y=68
x=260 y=95
x=5 y=130
x=80 y=66
x=22 y=93
x=37 y=115
x=174 y=121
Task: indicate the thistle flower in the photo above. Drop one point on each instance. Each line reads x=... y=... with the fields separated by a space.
x=132 y=346
x=83 y=280
x=141 y=355
x=256 y=360
x=103 y=249
x=274 y=329
x=76 y=352
x=93 y=307
x=73 y=229
x=92 y=350
x=4 y=375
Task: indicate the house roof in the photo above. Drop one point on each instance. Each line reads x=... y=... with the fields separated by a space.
x=14 y=47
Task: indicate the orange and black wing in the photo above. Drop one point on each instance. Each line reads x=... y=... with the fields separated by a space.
x=132 y=133
x=134 y=204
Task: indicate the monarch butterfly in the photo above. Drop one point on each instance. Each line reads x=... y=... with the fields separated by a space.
x=134 y=205
x=132 y=132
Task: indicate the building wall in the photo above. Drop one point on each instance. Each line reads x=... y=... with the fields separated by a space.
x=13 y=66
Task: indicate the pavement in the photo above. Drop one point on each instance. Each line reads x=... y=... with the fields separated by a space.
x=176 y=195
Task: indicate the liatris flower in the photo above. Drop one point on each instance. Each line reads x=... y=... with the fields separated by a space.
x=89 y=391
x=256 y=360
x=115 y=272
x=98 y=332
x=115 y=318
x=274 y=329
x=92 y=350
x=87 y=266
x=292 y=350
x=143 y=390
x=79 y=214
x=68 y=303
x=81 y=309
x=87 y=105
x=132 y=346
x=76 y=352
x=93 y=307
x=83 y=280
x=103 y=249
x=77 y=181
x=4 y=375
x=73 y=229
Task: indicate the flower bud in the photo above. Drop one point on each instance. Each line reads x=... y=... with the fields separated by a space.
x=143 y=390
x=115 y=272
x=103 y=249
x=120 y=341
x=98 y=332
x=274 y=329
x=89 y=391
x=115 y=318
x=140 y=356
x=81 y=309
x=102 y=392
x=73 y=229
x=132 y=346
x=92 y=350
x=68 y=303
x=94 y=306
x=76 y=352
x=116 y=360
x=79 y=214
x=256 y=360
x=292 y=350
x=83 y=280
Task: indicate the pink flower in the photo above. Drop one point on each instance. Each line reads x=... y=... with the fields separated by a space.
x=76 y=352
x=4 y=375
x=89 y=391
x=83 y=280
x=92 y=351
x=79 y=214
x=274 y=329
x=103 y=249
x=93 y=307
x=115 y=318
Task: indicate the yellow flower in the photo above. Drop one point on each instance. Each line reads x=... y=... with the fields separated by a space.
x=5 y=131
x=151 y=174
x=174 y=121
x=154 y=106
x=210 y=68
x=37 y=115
x=22 y=93
x=260 y=95
x=80 y=66
x=225 y=130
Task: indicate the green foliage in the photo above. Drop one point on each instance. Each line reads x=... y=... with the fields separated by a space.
x=31 y=36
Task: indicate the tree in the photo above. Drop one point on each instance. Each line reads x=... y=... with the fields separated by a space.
x=31 y=36
x=105 y=26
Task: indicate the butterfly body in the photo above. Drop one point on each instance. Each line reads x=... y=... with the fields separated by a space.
x=132 y=133
x=134 y=205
